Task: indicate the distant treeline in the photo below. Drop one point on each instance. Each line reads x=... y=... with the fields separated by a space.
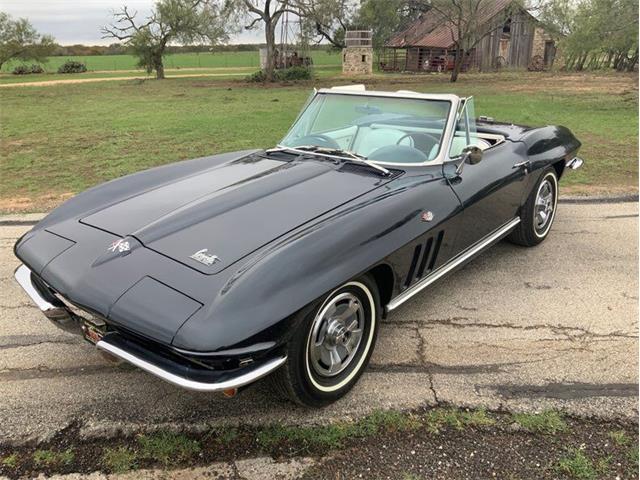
x=120 y=49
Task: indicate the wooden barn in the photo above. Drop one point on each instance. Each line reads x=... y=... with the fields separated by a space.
x=514 y=40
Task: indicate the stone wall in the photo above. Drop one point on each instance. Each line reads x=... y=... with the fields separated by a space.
x=357 y=60
x=539 y=39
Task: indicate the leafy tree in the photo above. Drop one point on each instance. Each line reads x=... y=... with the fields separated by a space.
x=386 y=17
x=179 y=21
x=267 y=12
x=18 y=39
x=595 y=33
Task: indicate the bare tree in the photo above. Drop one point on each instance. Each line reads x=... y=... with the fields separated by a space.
x=18 y=39
x=468 y=24
x=181 y=21
x=269 y=13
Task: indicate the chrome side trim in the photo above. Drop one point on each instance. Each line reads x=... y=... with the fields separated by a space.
x=443 y=270
x=236 y=382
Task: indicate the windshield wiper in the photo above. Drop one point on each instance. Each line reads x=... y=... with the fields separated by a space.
x=331 y=153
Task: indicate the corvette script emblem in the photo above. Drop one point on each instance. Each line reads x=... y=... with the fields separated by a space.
x=203 y=257
x=120 y=246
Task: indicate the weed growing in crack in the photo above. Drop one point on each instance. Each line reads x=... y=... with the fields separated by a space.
x=548 y=422
x=165 y=447
x=52 y=458
x=119 y=460
x=10 y=461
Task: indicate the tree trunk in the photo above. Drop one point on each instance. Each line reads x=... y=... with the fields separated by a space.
x=617 y=63
x=607 y=62
x=632 y=61
x=159 y=68
x=582 y=59
x=270 y=37
x=158 y=64
x=457 y=65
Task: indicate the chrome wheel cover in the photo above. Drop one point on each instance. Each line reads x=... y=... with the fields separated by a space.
x=336 y=334
x=545 y=203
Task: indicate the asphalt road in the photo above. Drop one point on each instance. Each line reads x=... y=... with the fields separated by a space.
x=520 y=329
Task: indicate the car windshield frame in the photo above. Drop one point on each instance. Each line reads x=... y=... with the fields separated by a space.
x=448 y=129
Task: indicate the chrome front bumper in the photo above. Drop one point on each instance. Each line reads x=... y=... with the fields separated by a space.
x=218 y=381
x=51 y=306
x=170 y=369
x=575 y=163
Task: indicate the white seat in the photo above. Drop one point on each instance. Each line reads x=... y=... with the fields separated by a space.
x=377 y=138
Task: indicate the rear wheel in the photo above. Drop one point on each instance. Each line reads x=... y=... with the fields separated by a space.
x=538 y=212
x=332 y=346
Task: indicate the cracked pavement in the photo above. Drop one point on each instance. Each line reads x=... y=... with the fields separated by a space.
x=518 y=329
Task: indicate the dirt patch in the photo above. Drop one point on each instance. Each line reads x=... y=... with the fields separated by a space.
x=598 y=190
x=42 y=203
x=50 y=83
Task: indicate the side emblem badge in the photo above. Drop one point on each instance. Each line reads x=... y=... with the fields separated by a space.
x=203 y=257
x=426 y=216
x=119 y=246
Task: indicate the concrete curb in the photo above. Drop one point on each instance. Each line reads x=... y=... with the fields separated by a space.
x=30 y=219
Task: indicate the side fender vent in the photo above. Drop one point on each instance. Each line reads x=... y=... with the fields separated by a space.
x=436 y=250
x=428 y=260
x=414 y=264
x=425 y=257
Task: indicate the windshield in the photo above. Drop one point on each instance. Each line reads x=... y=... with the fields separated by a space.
x=386 y=129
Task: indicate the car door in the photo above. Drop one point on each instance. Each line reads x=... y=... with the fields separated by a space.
x=490 y=191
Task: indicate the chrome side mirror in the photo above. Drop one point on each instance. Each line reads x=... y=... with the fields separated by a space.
x=470 y=154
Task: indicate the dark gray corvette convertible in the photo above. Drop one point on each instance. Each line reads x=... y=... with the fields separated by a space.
x=214 y=272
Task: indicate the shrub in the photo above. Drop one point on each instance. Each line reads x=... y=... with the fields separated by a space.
x=257 y=77
x=294 y=73
x=27 y=69
x=71 y=66
x=22 y=70
x=287 y=74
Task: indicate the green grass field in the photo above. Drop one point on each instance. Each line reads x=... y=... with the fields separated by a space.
x=178 y=60
x=61 y=139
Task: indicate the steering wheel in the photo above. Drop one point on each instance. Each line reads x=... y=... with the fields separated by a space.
x=427 y=144
x=316 y=139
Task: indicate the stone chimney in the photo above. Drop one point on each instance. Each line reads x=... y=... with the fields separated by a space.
x=357 y=56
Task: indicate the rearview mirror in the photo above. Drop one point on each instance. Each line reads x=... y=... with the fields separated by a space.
x=470 y=154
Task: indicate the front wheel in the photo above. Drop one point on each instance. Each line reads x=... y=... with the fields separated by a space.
x=538 y=212
x=332 y=345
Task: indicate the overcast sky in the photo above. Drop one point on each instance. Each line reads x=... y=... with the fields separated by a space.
x=79 y=21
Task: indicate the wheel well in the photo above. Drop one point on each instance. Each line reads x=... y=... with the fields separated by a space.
x=559 y=167
x=383 y=276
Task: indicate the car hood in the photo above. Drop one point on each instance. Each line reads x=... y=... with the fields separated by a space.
x=214 y=218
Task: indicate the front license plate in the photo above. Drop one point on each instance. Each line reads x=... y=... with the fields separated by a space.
x=92 y=333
